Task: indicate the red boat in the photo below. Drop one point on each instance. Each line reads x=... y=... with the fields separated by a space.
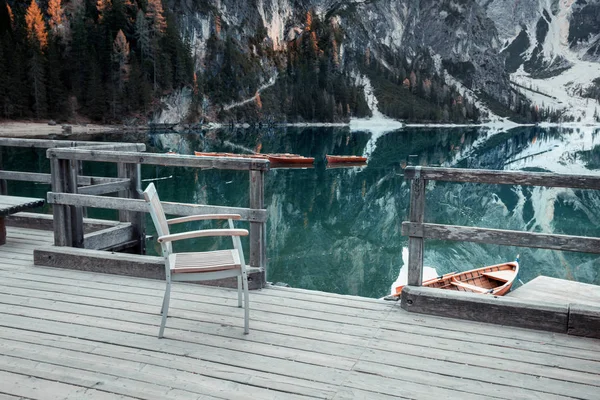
x=289 y=159
x=345 y=159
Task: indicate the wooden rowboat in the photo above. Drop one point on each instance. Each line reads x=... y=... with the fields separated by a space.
x=495 y=279
x=345 y=159
x=290 y=159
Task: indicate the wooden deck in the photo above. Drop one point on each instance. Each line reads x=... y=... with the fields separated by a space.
x=558 y=291
x=68 y=334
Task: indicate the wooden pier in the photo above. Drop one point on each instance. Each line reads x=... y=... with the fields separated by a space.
x=68 y=331
x=73 y=334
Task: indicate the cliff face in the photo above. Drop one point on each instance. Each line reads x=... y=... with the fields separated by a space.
x=441 y=60
x=257 y=59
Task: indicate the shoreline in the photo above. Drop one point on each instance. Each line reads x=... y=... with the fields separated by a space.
x=24 y=129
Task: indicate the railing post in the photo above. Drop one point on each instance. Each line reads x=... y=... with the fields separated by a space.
x=137 y=219
x=415 y=244
x=257 y=229
x=76 y=212
x=61 y=214
x=3 y=188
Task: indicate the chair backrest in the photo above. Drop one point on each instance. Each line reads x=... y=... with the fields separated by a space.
x=158 y=217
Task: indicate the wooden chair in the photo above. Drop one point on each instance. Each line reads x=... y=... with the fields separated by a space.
x=202 y=266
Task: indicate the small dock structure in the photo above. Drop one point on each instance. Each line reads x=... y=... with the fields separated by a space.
x=69 y=330
x=567 y=315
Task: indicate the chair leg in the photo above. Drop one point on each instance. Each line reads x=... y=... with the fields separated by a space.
x=239 y=279
x=162 y=308
x=165 y=310
x=246 y=304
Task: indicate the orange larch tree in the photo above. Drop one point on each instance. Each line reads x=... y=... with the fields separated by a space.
x=156 y=15
x=103 y=6
x=56 y=16
x=11 y=16
x=36 y=28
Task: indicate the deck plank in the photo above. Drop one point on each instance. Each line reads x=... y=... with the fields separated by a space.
x=75 y=334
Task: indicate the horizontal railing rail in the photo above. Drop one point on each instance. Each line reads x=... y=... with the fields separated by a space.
x=503 y=177
x=172 y=160
x=135 y=205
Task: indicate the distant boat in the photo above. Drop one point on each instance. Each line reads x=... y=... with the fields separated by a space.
x=345 y=159
x=495 y=280
x=290 y=159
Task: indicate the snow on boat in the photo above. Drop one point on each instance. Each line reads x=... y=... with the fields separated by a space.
x=345 y=159
x=495 y=279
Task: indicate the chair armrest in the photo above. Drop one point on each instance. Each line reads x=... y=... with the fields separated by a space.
x=202 y=233
x=203 y=218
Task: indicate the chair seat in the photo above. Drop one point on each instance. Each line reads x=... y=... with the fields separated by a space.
x=207 y=261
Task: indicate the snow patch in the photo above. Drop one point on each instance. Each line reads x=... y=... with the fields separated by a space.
x=562 y=92
x=378 y=124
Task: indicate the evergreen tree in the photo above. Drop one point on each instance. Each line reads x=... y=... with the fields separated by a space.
x=157 y=25
x=142 y=34
x=56 y=16
x=120 y=59
x=38 y=40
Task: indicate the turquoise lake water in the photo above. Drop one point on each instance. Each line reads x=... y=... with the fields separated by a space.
x=338 y=230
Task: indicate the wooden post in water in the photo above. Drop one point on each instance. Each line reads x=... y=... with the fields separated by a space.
x=257 y=244
x=415 y=244
x=137 y=219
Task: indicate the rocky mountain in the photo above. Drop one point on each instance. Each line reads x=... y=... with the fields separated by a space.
x=552 y=52
x=428 y=60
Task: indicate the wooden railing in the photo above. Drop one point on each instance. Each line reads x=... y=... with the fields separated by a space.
x=417 y=230
x=69 y=199
x=71 y=192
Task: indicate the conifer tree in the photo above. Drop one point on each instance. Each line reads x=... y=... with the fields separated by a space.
x=38 y=40
x=157 y=25
x=11 y=16
x=156 y=16
x=56 y=17
x=142 y=34
x=120 y=58
x=103 y=7
x=36 y=28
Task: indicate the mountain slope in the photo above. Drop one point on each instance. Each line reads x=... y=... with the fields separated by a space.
x=553 y=52
x=426 y=61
